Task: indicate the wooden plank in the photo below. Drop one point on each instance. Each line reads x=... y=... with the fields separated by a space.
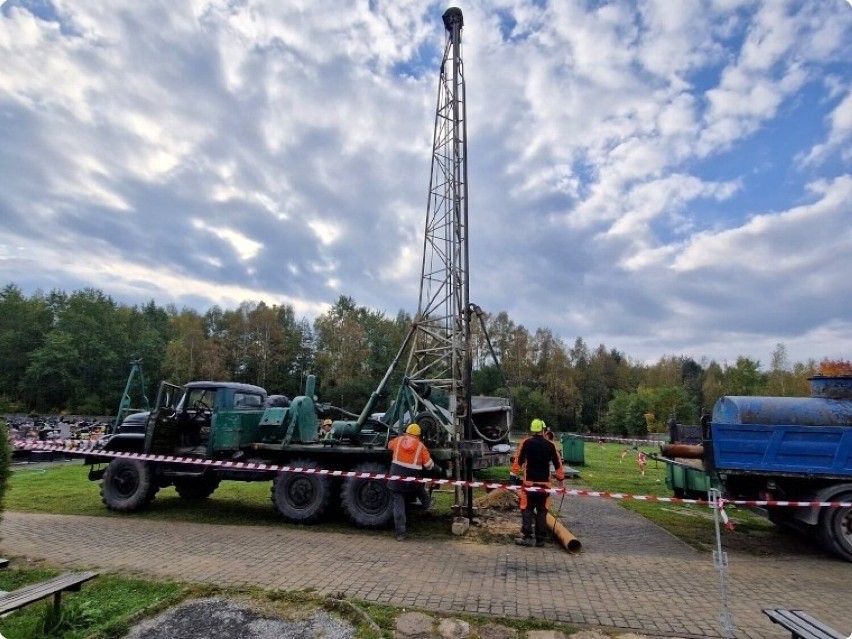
x=35 y=592
x=828 y=631
x=801 y=625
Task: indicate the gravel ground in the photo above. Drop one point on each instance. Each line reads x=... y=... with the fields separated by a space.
x=215 y=618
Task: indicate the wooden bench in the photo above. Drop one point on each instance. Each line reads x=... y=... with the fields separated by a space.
x=21 y=597
x=801 y=624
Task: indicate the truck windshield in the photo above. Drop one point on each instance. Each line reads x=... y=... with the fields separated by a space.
x=197 y=399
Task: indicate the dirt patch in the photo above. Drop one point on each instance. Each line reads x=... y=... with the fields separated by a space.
x=498 y=517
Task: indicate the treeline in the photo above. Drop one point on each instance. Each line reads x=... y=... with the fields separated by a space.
x=70 y=353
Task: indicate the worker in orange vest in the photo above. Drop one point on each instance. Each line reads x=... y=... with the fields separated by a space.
x=535 y=455
x=410 y=459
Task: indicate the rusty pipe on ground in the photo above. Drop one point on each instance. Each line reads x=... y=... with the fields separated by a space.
x=684 y=451
x=568 y=541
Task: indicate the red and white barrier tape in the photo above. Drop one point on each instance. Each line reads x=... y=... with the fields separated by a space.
x=600 y=439
x=171 y=459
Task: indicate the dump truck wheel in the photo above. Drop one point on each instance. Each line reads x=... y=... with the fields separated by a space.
x=196 y=487
x=301 y=498
x=127 y=485
x=367 y=502
x=839 y=527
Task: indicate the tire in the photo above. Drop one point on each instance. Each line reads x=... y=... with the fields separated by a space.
x=128 y=485
x=838 y=528
x=196 y=487
x=301 y=498
x=367 y=502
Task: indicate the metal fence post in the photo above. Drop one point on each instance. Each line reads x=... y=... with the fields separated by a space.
x=720 y=561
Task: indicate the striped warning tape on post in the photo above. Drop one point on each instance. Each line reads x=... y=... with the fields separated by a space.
x=456 y=483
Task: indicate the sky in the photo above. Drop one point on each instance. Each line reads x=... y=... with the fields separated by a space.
x=665 y=178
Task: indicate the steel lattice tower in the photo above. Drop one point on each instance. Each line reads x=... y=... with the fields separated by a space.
x=440 y=354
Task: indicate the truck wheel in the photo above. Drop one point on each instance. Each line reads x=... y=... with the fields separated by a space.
x=196 y=487
x=838 y=523
x=127 y=485
x=301 y=498
x=367 y=502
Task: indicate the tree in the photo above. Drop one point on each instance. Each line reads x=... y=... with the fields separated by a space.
x=671 y=400
x=24 y=324
x=713 y=386
x=744 y=378
x=530 y=404
x=187 y=348
x=782 y=380
x=51 y=375
x=626 y=413
x=353 y=347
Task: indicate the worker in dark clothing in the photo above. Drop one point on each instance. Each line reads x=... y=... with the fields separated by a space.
x=673 y=434
x=705 y=424
x=535 y=455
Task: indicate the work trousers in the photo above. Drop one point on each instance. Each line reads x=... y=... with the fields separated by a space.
x=399 y=499
x=535 y=512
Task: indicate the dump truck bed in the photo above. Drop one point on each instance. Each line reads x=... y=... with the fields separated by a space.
x=824 y=451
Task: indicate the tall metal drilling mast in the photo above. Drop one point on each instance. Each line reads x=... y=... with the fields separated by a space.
x=436 y=389
x=441 y=352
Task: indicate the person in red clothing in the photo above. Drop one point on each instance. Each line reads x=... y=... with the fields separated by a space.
x=410 y=459
x=642 y=461
x=535 y=455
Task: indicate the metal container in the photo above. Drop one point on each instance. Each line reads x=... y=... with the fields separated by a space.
x=573 y=450
x=800 y=411
x=831 y=387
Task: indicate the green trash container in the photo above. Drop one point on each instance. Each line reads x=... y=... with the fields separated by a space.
x=676 y=479
x=573 y=450
x=685 y=481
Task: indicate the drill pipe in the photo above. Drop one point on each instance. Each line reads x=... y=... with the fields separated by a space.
x=568 y=541
x=684 y=451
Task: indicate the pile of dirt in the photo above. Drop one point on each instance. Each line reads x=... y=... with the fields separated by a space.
x=502 y=500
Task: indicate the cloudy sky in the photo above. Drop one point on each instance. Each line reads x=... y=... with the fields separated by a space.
x=661 y=177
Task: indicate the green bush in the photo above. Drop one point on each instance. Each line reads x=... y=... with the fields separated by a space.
x=9 y=406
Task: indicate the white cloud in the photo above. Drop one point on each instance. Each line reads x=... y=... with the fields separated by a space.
x=218 y=151
x=791 y=241
x=839 y=134
x=245 y=247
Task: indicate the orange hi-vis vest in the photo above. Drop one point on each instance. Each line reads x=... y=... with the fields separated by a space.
x=410 y=452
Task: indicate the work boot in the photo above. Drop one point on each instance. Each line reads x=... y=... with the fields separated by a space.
x=400 y=537
x=539 y=543
x=429 y=505
x=524 y=541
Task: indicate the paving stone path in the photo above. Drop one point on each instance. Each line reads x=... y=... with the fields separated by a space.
x=631 y=575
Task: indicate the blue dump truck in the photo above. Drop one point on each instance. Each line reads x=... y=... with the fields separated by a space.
x=789 y=448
